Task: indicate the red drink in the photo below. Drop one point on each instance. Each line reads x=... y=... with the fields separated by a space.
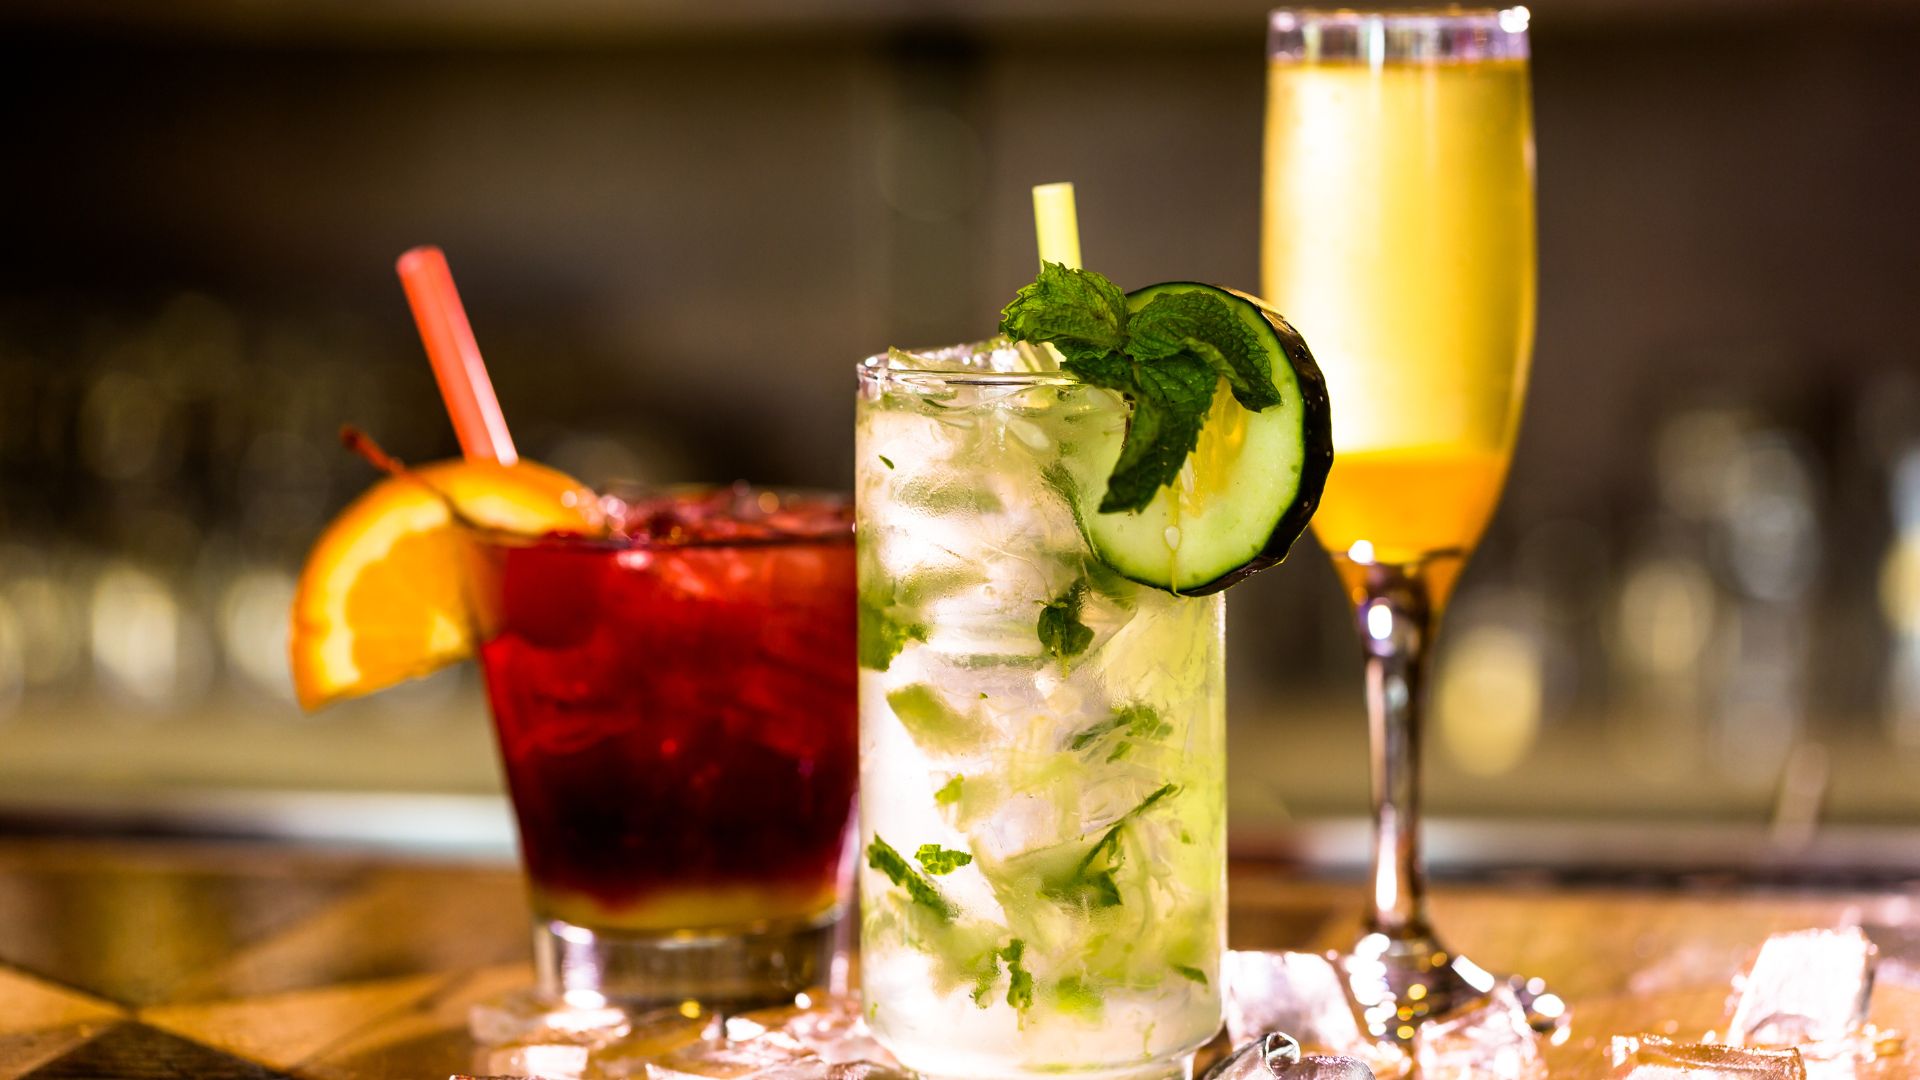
x=677 y=716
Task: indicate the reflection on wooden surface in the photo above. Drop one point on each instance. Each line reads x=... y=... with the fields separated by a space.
x=148 y=962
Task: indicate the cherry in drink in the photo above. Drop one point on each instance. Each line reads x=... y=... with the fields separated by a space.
x=677 y=719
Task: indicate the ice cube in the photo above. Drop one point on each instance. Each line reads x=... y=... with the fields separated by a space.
x=1896 y=943
x=1650 y=1057
x=864 y=1070
x=835 y=1029
x=1486 y=1041
x=1277 y=1056
x=1295 y=992
x=527 y=1016
x=774 y=1054
x=1259 y=1059
x=804 y=1070
x=1302 y=994
x=547 y=1061
x=1021 y=823
x=1807 y=989
x=1321 y=1067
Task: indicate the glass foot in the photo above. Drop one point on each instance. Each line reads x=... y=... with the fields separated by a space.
x=1402 y=982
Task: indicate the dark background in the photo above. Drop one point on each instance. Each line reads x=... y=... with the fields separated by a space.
x=676 y=226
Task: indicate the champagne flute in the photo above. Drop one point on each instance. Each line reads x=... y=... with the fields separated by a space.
x=1398 y=235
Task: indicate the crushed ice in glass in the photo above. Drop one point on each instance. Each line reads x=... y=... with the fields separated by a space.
x=1487 y=1041
x=1806 y=989
x=734 y=514
x=1303 y=995
x=1651 y=1057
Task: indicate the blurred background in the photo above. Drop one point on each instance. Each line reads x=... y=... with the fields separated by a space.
x=678 y=225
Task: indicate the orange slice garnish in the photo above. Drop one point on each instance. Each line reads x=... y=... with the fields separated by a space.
x=387 y=592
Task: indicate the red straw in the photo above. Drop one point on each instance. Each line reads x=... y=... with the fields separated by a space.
x=456 y=358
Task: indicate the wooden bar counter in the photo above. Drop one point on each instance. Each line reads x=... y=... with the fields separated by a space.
x=131 y=960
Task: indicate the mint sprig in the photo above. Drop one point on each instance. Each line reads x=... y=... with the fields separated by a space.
x=1137 y=722
x=1166 y=359
x=1061 y=632
x=882 y=857
x=937 y=860
x=1019 y=979
x=1091 y=883
x=1078 y=312
x=1200 y=324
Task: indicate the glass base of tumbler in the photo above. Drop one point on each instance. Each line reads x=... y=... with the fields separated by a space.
x=717 y=972
x=1403 y=981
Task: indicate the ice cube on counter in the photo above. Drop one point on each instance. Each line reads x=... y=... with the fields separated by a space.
x=773 y=1054
x=1277 y=1056
x=1304 y=995
x=1651 y=1057
x=1806 y=989
x=1489 y=1040
x=527 y=1016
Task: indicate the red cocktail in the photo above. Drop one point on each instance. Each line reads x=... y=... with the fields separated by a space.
x=676 y=713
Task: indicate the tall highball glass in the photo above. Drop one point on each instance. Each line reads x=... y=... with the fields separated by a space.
x=1042 y=742
x=1398 y=235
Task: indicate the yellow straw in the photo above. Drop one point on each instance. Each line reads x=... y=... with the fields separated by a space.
x=1056 y=224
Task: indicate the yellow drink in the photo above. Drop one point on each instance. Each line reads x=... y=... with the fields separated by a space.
x=1412 y=503
x=1399 y=240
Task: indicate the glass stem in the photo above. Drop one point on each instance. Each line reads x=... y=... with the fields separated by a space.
x=1396 y=616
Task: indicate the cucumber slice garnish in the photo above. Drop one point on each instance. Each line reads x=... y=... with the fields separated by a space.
x=1250 y=485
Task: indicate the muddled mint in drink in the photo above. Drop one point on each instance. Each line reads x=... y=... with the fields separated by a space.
x=1044 y=736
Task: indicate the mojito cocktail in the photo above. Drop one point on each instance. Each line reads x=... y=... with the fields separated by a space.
x=1044 y=523
x=1042 y=755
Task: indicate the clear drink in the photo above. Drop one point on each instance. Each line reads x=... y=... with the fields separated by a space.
x=1041 y=741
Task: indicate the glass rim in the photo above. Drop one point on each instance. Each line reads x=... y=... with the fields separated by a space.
x=1400 y=35
x=634 y=491
x=880 y=369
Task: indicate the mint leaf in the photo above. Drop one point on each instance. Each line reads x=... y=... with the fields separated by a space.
x=1091 y=883
x=1165 y=359
x=1113 y=370
x=882 y=637
x=949 y=792
x=1192 y=973
x=1061 y=632
x=1079 y=312
x=1094 y=732
x=1019 y=979
x=1170 y=403
x=1137 y=722
x=1203 y=326
x=937 y=860
x=885 y=460
x=1143 y=721
x=985 y=975
x=1073 y=995
x=933 y=724
x=882 y=857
